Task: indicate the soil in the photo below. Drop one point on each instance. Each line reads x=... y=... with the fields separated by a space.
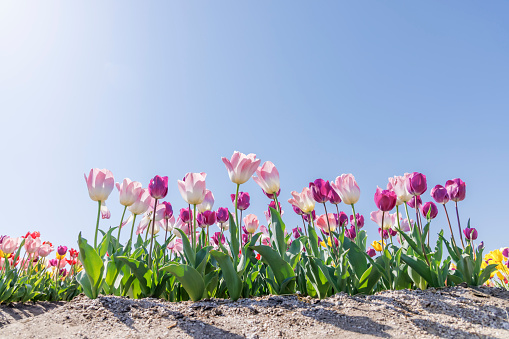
x=459 y=312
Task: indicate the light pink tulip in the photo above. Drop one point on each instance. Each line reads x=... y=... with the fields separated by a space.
x=184 y=226
x=267 y=178
x=207 y=203
x=176 y=246
x=45 y=250
x=346 y=187
x=389 y=219
x=105 y=212
x=397 y=184
x=251 y=223
x=142 y=203
x=168 y=224
x=303 y=200
x=100 y=184
x=10 y=245
x=241 y=167
x=405 y=225
x=192 y=188
x=129 y=191
x=32 y=245
x=321 y=222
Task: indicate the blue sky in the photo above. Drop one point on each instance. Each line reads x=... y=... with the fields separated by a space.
x=373 y=88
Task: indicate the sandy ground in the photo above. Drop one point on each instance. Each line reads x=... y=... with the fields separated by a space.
x=449 y=313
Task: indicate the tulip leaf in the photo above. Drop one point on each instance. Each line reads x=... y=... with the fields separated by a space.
x=232 y=280
x=368 y=280
x=234 y=235
x=105 y=243
x=313 y=241
x=93 y=266
x=282 y=270
x=357 y=257
x=278 y=227
x=141 y=272
x=419 y=266
x=188 y=250
x=191 y=280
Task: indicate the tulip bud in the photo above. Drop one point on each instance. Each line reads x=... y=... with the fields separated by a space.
x=192 y=188
x=158 y=187
x=168 y=212
x=62 y=250
x=341 y=219
x=439 y=193
x=346 y=187
x=100 y=184
x=251 y=223
x=470 y=233
x=334 y=197
x=129 y=191
x=185 y=214
x=431 y=208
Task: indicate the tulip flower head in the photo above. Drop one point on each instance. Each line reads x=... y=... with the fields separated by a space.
x=457 y=189
x=334 y=197
x=206 y=218
x=158 y=187
x=297 y=231
x=168 y=210
x=32 y=245
x=142 y=203
x=371 y=252
x=45 y=249
x=241 y=167
x=243 y=201
x=297 y=210
x=62 y=250
x=389 y=220
x=251 y=223
x=470 y=233
x=185 y=214
x=439 y=193
x=9 y=245
x=267 y=178
x=341 y=219
x=100 y=183
x=411 y=203
x=306 y=216
x=360 y=220
x=176 y=246
x=320 y=190
x=207 y=203
x=350 y=233
x=218 y=238
x=398 y=185
x=385 y=200
x=222 y=214
x=192 y=188
x=431 y=208
x=416 y=183
x=346 y=187
x=324 y=224
x=129 y=191
x=303 y=200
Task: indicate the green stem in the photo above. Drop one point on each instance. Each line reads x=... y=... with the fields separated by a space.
x=236 y=214
x=120 y=226
x=132 y=229
x=152 y=235
x=194 y=228
x=97 y=224
x=459 y=226
x=357 y=238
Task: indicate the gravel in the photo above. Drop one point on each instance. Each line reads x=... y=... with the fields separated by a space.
x=445 y=313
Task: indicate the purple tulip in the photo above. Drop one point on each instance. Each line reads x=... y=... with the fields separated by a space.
x=385 y=200
x=206 y=218
x=185 y=215
x=215 y=238
x=2 y=238
x=222 y=214
x=320 y=190
x=481 y=246
x=296 y=232
x=392 y=232
x=505 y=251
x=271 y=196
x=470 y=233
x=334 y=197
x=53 y=262
x=273 y=205
x=427 y=207
x=411 y=202
x=306 y=216
x=360 y=220
x=341 y=219
x=350 y=233
x=245 y=238
x=457 y=189
x=243 y=200
x=371 y=252
x=297 y=210
x=158 y=187
x=439 y=193
x=416 y=183
x=385 y=234
x=62 y=250
x=168 y=212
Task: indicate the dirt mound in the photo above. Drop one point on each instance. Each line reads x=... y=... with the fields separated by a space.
x=449 y=313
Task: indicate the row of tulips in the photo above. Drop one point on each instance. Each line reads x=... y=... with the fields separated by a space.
x=177 y=257
x=28 y=273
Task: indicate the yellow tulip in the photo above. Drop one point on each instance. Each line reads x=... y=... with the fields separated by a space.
x=377 y=245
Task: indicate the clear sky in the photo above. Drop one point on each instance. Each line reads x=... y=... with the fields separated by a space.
x=320 y=88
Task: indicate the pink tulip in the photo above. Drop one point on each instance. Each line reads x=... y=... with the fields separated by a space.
x=416 y=183
x=303 y=200
x=45 y=250
x=347 y=188
x=427 y=207
x=388 y=222
x=192 y=188
x=168 y=223
x=385 y=200
x=243 y=200
x=405 y=225
x=32 y=245
x=184 y=226
x=412 y=202
x=371 y=252
x=251 y=223
x=457 y=189
x=129 y=191
x=241 y=167
x=142 y=203
x=398 y=185
x=105 y=212
x=439 y=193
x=176 y=246
x=100 y=184
x=267 y=178
x=9 y=245
x=207 y=218
x=321 y=222
x=207 y=203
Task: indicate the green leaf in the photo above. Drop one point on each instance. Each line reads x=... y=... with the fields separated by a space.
x=141 y=272
x=188 y=250
x=232 y=280
x=357 y=258
x=321 y=277
x=282 y=270
x=313 y=241
x=191 y=280
x=418 y=266
x=103 y=246
x=277 y=225
x=93 y=266
x=368 y=280
x=234 y=235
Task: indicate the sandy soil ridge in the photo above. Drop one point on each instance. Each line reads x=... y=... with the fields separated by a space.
x=449 y=313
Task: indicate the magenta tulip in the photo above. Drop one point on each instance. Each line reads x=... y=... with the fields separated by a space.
x=62 y=250
x=168 y=210
x=222 y=214
x=341 y=219
x=206 y=218
x=320 y=190
x=243 y=201
x=297 y=231
x=185 y=215
x=457 y=189
x=470 y=233
x=306 y=216
x=427 y=207
x=439 y=193
x=360 y=220
x=371 y=252
x=334 y=197
x=385 y=200
x=416 y=183
x=411 y=203
x=241 y=167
